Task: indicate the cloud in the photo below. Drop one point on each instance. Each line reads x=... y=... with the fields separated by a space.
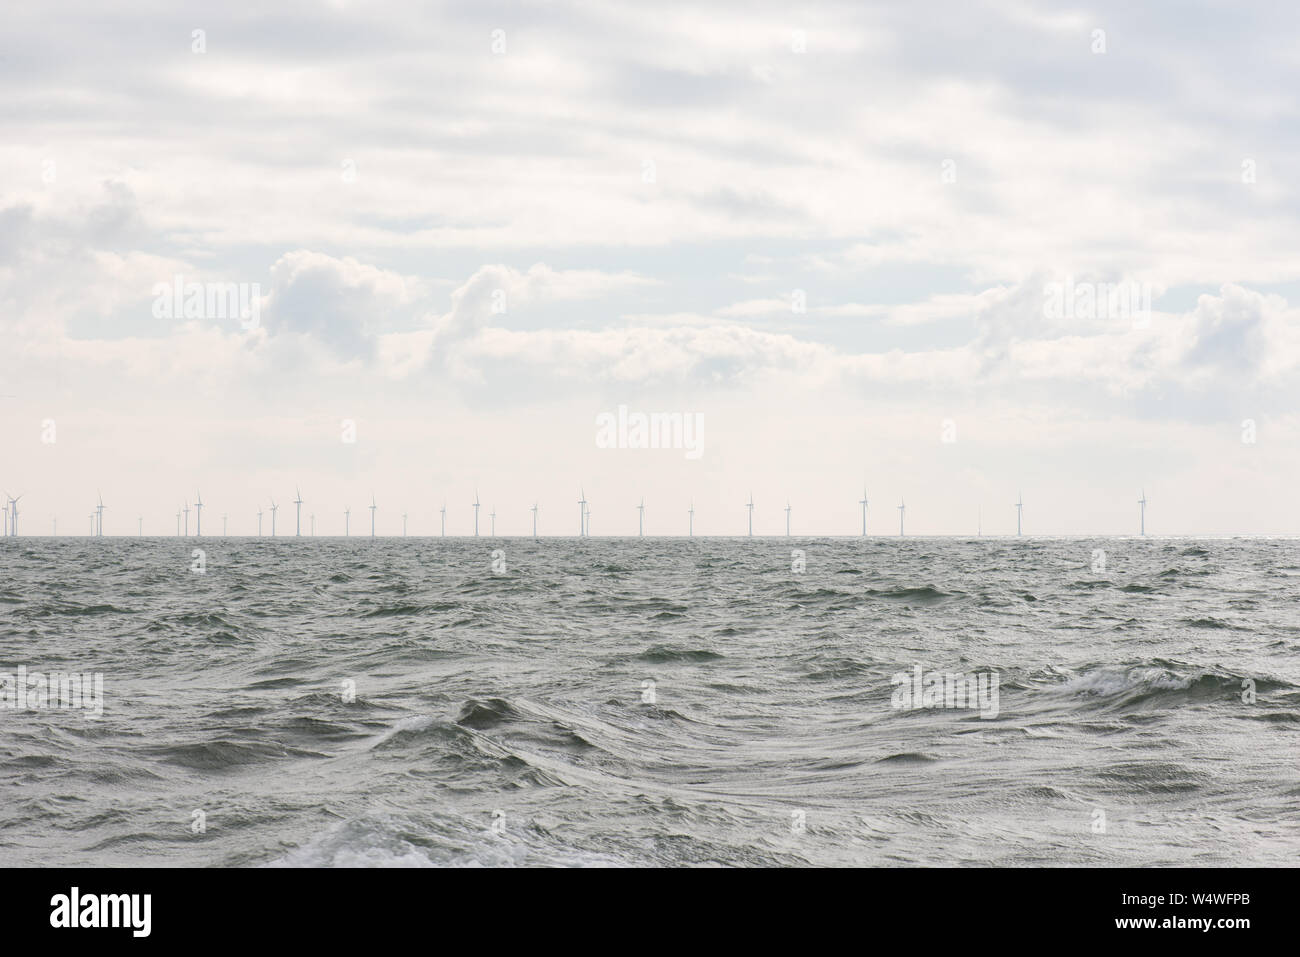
x=495 y=289
x=340 y=302
x=919 y=186
x=1237 y=332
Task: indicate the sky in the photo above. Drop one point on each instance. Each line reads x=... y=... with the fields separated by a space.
x=863 y=244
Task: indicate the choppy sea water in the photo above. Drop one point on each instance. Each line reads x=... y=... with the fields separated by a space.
x=628 y=702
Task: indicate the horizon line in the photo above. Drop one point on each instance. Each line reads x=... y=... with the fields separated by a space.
x=741 y=535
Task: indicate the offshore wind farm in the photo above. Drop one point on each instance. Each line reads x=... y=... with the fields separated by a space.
x=583 y=526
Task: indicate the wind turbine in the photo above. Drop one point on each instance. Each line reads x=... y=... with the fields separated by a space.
x=139 y=526
x=494 y=521
x=259 y=521
x=372 y=506
x=403 y=524
x=223 y=524
x=99 y=511
x=444 y=519
x=298 y=502
x=347 y=521
x=187 y=519
x=1020 y=507
x=902 y=510
x=476 y=513
x=640 y=522
x=690 y=526
x=787 y=518
x=534 y=520
x=198 y=515
x=863 y=503
x=13 y=519
x=750 y=505
x=92 y=524
x=273 y=510
x=582 y=513
x=178 y=523
x=6 y=511
x=1143 y=502
x=312 y=519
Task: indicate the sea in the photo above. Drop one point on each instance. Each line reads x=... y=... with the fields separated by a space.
x=649 y=702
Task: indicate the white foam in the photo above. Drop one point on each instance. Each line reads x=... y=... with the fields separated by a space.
x=416 y=722
x=1105 y=682
x=376 y=841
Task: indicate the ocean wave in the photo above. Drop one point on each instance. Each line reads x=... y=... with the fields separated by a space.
x=1165 y=684
x=487 y=713
x=923 y=594
x=667 y=654
x=223 y=754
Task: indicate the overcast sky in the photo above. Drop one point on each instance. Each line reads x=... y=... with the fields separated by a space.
x=831 y=229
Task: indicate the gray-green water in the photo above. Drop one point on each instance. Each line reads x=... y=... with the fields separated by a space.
x=651 y=702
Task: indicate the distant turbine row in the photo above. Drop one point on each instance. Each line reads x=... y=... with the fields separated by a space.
x=584 y=516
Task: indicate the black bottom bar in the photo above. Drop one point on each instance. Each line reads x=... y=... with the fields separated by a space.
x=959 y=906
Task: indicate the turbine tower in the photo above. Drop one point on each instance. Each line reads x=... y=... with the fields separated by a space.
x=347 y=521
x=259 y=521
x=750 y=505
x=1143 y=502
x=534 y=520
x=198 y=515
x=640 y=521
x=298 y=502
x=99 y=513
x=224 y=518
x=582 y=513
x=273 y=509
x=863 y=503
x=187 y=519
x=444 y=519
x=403 y=524
x=476 y=513
x=1020 y=507
x=690 y=520
x=139 y=526
x=178 y=523
x=494 y=521
x=787 y=518
x=312 y=519
x=372 y=506
x=902 y=510
x=13 y=517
